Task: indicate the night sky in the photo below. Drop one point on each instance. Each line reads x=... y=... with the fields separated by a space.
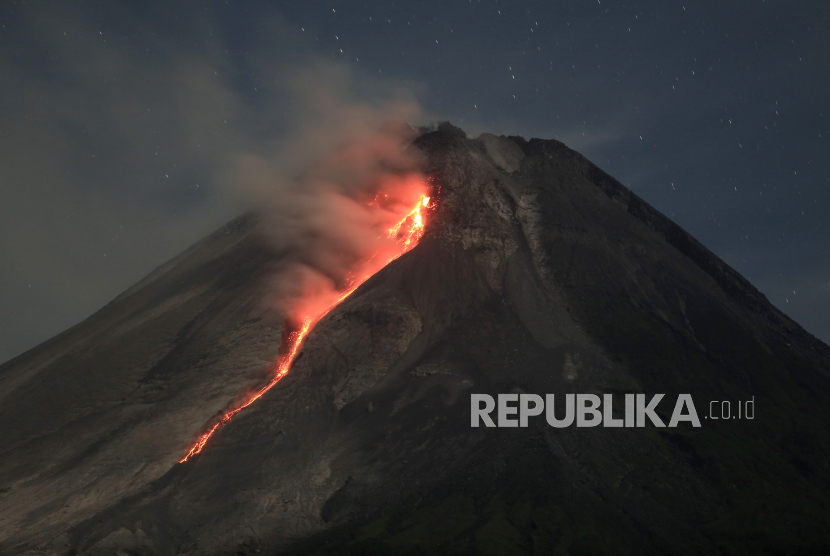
x=118 y=121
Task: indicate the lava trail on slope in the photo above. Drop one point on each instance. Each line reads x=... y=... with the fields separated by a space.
x=406 y=233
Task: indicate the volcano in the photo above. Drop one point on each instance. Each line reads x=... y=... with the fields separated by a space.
x=537 y=273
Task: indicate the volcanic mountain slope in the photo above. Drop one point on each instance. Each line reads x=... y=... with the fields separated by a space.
x=538 y=273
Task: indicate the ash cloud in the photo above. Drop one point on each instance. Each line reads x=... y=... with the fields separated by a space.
x=330 y=193
x=124 y=127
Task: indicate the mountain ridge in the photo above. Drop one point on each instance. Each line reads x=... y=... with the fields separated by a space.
x=730 y=280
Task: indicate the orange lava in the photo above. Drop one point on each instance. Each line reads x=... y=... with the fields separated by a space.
x=406 y=233
x=412 y=234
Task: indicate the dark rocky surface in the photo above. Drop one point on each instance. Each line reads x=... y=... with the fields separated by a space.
x=538 y=273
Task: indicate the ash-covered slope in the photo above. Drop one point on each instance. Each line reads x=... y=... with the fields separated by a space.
x=538 y=273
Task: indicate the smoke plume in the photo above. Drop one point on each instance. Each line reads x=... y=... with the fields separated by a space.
x=332 y=195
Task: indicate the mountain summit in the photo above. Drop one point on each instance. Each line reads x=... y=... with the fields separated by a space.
x=538 y=273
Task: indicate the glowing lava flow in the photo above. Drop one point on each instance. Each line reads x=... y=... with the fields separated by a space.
x=417 y=225
x=294 y=341
x=408 y=232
